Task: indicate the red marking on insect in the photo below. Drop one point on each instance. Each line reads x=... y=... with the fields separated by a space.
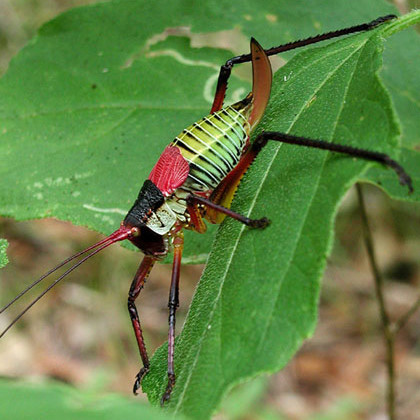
x=170 y=171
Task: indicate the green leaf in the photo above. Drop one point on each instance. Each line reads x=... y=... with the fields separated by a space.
x=35 y=401
x=257 y=299
x=85 y=110
x=87 y=107
x=3 y=256
x=402 y=80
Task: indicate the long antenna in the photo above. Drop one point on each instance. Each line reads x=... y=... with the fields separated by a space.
x=23 y=292
x=118 y=235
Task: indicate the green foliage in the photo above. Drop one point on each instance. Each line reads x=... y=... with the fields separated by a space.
x=44 y=401
x=86 y=109
x=257 y=299
x=3 y=255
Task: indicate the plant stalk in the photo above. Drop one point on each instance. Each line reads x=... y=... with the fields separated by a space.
x=389 y=336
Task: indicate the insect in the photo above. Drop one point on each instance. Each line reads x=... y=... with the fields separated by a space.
x=196 y=178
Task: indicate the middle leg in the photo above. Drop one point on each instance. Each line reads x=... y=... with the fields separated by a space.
x=214 y=208
x=173 y=304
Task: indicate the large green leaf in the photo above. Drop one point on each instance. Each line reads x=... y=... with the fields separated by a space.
x=85 y=110
x=257 y=299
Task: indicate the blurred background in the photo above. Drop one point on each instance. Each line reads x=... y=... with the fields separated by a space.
x=81 y=333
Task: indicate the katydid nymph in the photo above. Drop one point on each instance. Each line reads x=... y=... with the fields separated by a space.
x=195 y=179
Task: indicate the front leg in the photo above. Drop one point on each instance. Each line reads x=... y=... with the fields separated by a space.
x=135 y=289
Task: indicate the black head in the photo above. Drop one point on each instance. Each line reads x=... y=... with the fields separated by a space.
x=150 y=198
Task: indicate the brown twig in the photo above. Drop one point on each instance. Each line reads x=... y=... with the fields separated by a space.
x=390 y=329
x=400 y=323
x=389 y=336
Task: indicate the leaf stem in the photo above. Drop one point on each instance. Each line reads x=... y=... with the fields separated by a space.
x=401 y=23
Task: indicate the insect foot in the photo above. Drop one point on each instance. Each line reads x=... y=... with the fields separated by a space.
x=169 y=388
x=139 y=377
x=259 y=223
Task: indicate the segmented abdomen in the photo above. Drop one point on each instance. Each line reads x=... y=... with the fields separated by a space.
x=213 y=146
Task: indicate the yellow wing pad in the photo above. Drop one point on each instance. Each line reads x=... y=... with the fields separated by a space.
x=261 y=88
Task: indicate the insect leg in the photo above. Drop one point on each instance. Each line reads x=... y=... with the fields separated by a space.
x=225 y=191
x=173 y=304
x=226 y=69
x=221 y=198
x=217 y=208
x=263 y=138
x=135 y=289
x=196 y=217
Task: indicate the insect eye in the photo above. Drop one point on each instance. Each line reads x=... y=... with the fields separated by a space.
x=135 y=232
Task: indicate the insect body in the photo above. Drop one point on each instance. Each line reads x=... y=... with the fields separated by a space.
x=196 y=177
x=213 y=146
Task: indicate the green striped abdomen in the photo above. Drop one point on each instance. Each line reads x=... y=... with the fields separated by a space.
x=213 y=146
